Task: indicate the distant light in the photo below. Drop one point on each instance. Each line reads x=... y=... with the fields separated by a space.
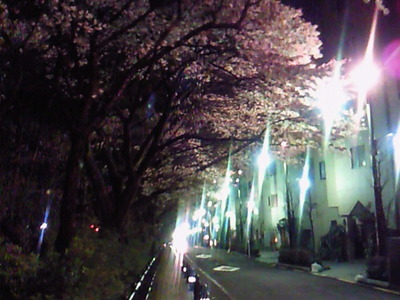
x=240 y=172
x=263 y=160
x=365 y=76
x=209 y=203
x=229 y=214
x=191 y=279
x=179 y=242
x=250 y=205
x=184 y=269
x=97 y=229
x=43 y=226
x=91 y=226
x=396 y=151
x=237 y=179
x=304 y=183
x=198 y=214
x=206 y=237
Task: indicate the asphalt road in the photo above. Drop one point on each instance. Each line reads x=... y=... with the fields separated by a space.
x=169 y=283
x=241 y=278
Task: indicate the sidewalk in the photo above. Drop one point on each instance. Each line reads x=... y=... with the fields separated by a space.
x=345 y=271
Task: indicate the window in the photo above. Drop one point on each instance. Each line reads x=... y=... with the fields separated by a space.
x=273 y=200
x=271 y=170
x=322 y=172
x=358 y=157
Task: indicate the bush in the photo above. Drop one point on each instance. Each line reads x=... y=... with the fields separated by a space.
x=94 y=268
x=25 y=276
x=17 y=270
x=301 y=257
x=377 y=268
x=106 y=267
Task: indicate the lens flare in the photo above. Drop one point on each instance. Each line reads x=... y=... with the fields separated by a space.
x=391 y=59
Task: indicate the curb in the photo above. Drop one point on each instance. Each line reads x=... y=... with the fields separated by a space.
x=372 y=283
x=287 y=266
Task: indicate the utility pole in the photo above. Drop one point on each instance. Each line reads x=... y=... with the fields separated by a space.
x=380 y=219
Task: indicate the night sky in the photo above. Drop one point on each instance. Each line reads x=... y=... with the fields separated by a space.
x=351 y=18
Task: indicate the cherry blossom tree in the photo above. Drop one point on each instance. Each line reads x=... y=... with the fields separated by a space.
x=152 y=93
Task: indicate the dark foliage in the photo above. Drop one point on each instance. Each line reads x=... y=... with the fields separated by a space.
x=333 y=244
x=377 y=268
x=301 y=257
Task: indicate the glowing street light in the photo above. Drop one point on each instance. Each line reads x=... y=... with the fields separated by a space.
x=179 y=238
x=396 y=151
x=198 y=214
x=331 y=97
x=229 y=214
x=364 y=77
x=304 y=183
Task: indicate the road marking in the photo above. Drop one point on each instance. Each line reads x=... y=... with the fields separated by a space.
x=386 y=290
x=344 y=280
x=226 y=269
x=203 y=256
x=212 y=280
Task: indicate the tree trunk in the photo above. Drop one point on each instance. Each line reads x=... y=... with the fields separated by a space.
x=311 y=225
x=67 y=227
x=289 y=210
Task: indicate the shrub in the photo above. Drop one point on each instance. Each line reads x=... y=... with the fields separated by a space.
x=17 y=270
x=377 y=268
x=94 y=268
x=301 y=257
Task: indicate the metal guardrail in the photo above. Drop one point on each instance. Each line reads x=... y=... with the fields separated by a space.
x=143 y=286
x=200 y=290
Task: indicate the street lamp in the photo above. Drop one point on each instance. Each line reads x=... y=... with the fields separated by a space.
x=331 y=97
x=198 y=214
x=396 y=156
x=364 y=77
